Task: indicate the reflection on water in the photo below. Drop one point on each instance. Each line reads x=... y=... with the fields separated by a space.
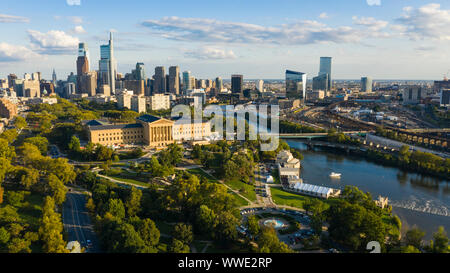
x=422 y=195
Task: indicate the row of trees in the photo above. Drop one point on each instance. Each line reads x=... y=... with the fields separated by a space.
x=28 y=172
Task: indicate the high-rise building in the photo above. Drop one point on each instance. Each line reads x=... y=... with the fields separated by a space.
x=219 y=85
x=88 y=83
x=260 y=85
x=138 y=104
x=174 y=80
x=7 y=109
x=54 y=79
x=412 y=94
x=237 y=83
x=321 y=83
x=325 y=68
x=438 y=85
x=82 y=64
x=159 y=86
x=139 y=72
x=108 y=65
x=366 y=84
x=158 y=102
x=445 y=97
x=31 y=88
x=295 y=85
x=187 y=81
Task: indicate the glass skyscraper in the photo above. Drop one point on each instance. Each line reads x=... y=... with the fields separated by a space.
x=295 y=85
x=187 y=81
x=366 y=84
x=325 y=68
x=107 y=65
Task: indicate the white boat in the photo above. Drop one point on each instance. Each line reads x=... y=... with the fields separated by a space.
x=335 y=175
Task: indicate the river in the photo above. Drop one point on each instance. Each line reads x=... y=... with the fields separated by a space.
x=417 y=199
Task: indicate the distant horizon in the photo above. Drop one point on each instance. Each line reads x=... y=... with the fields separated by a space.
x=407 y=38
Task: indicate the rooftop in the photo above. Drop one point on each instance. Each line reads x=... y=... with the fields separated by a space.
x=118 y=126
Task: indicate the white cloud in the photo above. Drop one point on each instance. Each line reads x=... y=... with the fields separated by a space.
x=15 y=53
x=54 y=42
x=73 y=2
x=374 y=2
x=79 y=30
x=370 y=22
x=210 y=53
x=214 y=31
x=323 y=15
x=4 y=18
x=426 y=22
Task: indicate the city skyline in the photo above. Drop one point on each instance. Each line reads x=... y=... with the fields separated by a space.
x=393 y=40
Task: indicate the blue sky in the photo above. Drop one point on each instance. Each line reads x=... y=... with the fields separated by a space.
x=385 y=39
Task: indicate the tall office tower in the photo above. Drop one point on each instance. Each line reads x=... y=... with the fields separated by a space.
x=295 y=85
x=35 y=76
x=187 y=81
x=138 y=86
x=108 y=65
x=159 y=86
x=219 y=85
x=192 y=82
x=325 y=68
x=201 y=84
x=82 y=64
x=321 y=83
x=26 y=76
x=412 y=94
x=260 y=85
x=11 y=78
x=237 y=83
x=366 y=84
x=445 y=97
x=54 y=79
x=139 y=72
x=174 y=80
x=438 y=85
x=88 y=83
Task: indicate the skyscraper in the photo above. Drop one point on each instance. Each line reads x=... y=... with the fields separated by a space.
x=366 y=84
x=108 y=65
x=82 y=64
x=174 y=80
x=159 y=86
x=260 y=85
x=219 y=85
x=139 y=72
x=187 y=81
x=321 y=83
x=295 y=85
x=54 y=80
x=325 y=68
x=237 y=82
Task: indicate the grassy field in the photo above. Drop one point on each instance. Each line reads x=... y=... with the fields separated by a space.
x=199 y=172
x=281 y=197
x=243 y=188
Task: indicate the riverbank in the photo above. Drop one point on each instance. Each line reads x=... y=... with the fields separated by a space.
x=425 y=199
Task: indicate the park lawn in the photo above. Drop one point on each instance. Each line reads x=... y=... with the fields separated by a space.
x=284 y=198
x=199 y=172
x=249 y=190
x=128 y=180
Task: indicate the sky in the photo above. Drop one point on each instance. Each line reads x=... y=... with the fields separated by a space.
x=383 y=39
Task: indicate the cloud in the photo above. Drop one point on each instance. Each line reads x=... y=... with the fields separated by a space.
x=425 y=48
x=54 y=42
x=76 y=19
x=374 y=2
x=15 y=53
x=73 y=2
x=79 y=30
x=426 y=22
x=4 y=18
x=323 y=15
x=370 y=22
x=210 y=53
x=214 y=31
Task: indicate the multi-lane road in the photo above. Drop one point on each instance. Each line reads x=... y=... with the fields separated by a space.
x=77 y=222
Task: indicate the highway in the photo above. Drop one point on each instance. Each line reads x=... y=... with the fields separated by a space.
x=77 y=222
